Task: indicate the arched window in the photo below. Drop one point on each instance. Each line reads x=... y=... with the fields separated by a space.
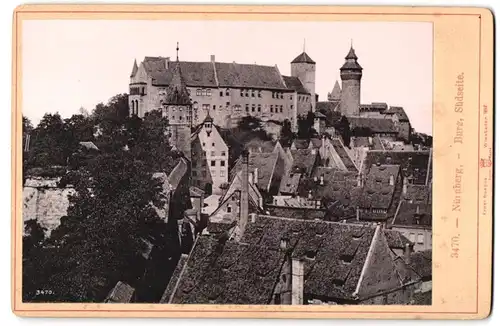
x=132 y=107
x=198 y=92
x=136 y=107
x=227 y=91
x=195 y=105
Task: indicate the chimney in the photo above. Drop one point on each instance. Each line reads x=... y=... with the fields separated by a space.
x=405 y=185
x=370 y=141
x=212 y=58
x=244 y=194
x=255 y=176
x=321 y=180
x=297 y=282
x=407 y=253
x=315 y=179
x=283 y=243
x=391 y=180
x=253 y=217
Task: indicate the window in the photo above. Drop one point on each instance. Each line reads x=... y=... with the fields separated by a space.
x=253 y=107
x=227 y=92
x=213 y=144
x=246 y=107
x=222 y=163
x=206 y=106
x=195 y=105
x=221 y=93
x=253 y=93
x=203 y=92
x=258 y=108
x=291 y=97
x=228 y=104
x=241 y=93
x=213 y=107
x=260 y=94
x=229 y=209
x=272 y=109
x=412 y=237
x=223 y=153
x=281 y=95
x=222 y=173
x=203 y=144
x=281 y=108
x=209 y=92
x=212 y=163
x=212 y=153
x=180 y=108
x=180 y=118
x=420 y=238
x=198 y=92
x=291 y=107
x=246 y=93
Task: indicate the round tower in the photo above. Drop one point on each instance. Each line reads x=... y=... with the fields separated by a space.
x=350 y=73
x=304 y=68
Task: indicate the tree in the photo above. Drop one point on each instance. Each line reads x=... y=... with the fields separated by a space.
x=287 y=135
x=305 y=126
x=344 y=130
x=110 y=219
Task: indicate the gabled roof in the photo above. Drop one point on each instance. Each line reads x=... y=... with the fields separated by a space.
x=177 y=93
x=421 y=263
x=304 y=160
x=417 y=194
x=303 y=58
x=376 y=125
x=413 y=164
x=339 y=147
x=377 y=191
x=399 y=111
x=328 y=106
x=295 y=84
x=303 y=213
x=174 y=279
x=228 y=273
x=396 y=240
x=89 y=145
x=413 y=215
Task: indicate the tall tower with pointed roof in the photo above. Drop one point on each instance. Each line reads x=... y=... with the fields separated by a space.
x=336 y=93
x=351 y=73
x=304 y=68
x=177 y=107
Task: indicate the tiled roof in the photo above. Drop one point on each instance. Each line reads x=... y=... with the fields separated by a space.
x=375 y=106
x=344 y=156
x=417 y=193
x=303 y=160
x=361 y=142
x=328 y=244
x=248 y=75
x=174 y=279
x=413 y=163
x=421 y=263
x=377 y=191
x=300 y=143
x=396 y=240
x=175 y=177
x=295 y=84
x=303 y=58
x=399 y=111
x=327 y=106
x=290 y=183
x=264 y=163
x=296 y=212
x=414 y=215
x=351 y=61
x=228 y=273
x=216 y=74
x=121 y=293
x=196 y=192
x=259 y=145
x=376 y=125
x=177 y=92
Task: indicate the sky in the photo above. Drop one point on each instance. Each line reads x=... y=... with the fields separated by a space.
x=69 y=64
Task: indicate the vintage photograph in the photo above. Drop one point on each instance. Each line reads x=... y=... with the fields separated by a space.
x=227 y=162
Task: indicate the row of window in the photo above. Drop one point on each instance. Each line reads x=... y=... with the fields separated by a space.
x=250 y=93
x=304 y=98
x=204 y=173
x=416 y=238
x=203 y=92
x=212 y=162
x=134 y=106
x=278 y=95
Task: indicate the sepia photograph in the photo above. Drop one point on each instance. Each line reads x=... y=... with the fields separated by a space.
x=227 y=162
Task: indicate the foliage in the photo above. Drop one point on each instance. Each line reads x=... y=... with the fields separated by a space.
x=306 y=126
x=110 y=220
x=344 y=130
x=287 y=135
x=421 y=139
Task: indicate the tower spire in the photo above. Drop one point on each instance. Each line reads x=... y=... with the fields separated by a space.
x=304 y=45
x=177 y=49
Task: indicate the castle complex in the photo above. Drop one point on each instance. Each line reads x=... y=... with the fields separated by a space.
x=229 y=91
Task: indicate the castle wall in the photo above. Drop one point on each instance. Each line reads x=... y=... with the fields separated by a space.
x=350 y=98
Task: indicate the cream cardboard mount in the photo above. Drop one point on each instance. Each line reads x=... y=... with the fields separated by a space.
x=355 y=215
